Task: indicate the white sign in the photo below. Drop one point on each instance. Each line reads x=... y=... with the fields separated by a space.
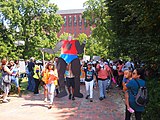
x=86 y=58
x=22 y=66
x=96 y=58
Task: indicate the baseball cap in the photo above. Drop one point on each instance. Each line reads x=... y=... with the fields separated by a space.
x=89 y=63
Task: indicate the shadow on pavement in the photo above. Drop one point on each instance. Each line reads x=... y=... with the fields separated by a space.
x=34 y=105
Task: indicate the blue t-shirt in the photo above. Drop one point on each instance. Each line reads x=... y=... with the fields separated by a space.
x=133 y=86
x=89 y=75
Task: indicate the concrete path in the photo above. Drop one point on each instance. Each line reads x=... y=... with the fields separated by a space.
x=30 y=107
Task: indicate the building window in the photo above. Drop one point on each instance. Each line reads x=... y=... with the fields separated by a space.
x=65 y=20
x=70 y=20
x=80 y=28
x=80 y=20
x=75 y=34
x=85 y=23
x=75 y=20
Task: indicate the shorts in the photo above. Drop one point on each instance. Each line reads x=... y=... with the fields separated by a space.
x=68 y=58
x=15 y=81
x=82 y=79
x=70 y=82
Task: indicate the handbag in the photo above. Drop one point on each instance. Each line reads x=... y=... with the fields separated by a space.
x=6 y=79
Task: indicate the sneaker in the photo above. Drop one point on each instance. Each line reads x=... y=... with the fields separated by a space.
x=70 y=95
x=5 y=101
x=45 y=100
x=73 y=98
x=36 y=94
x=101 y=98
x=87 y=96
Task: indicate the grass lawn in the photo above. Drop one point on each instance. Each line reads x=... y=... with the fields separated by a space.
x=23 y=85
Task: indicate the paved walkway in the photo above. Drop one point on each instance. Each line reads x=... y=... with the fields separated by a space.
x=30 y=107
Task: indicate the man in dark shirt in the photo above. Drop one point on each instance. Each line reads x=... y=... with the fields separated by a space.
x=31 y=83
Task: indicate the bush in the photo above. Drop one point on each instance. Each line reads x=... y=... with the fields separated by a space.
x=153 y=107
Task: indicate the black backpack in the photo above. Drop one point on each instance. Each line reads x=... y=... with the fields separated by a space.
x=141 y=98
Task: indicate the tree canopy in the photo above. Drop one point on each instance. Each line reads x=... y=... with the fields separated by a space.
x=33 y=21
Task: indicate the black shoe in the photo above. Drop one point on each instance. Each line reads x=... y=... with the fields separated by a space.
x=62 y=94
x=91 y=100
x=79 y=95
x=100 y=98
x=20 y=95
x=50 y=106
x=87 y=96
x=104 y=97
x=73 y=98
x=70 y=95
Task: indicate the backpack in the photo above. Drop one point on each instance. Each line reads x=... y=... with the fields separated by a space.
x=141 y=98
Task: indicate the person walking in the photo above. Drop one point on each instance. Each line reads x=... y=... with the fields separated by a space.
x=14 y=67
x=70 y=82
x=52 y=76
x=30 y=68
x=104 y=72
x=6 y=80
x=90 y=78
x=36 y=77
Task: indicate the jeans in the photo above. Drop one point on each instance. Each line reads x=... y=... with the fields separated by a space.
x=103 y=84
x=89 y=88
x=15 y=81
x=31 y=82
x=51 y=89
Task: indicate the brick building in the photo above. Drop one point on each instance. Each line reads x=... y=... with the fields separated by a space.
x=73 y=22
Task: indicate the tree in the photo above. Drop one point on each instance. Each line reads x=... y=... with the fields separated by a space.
x=96 y=13
x=136 y=25
x=36 y=21
x=93 y=46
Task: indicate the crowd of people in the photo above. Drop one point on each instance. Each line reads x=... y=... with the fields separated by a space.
x=101 y=73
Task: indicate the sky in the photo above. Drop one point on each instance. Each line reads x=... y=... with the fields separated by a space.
x=69 y=4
